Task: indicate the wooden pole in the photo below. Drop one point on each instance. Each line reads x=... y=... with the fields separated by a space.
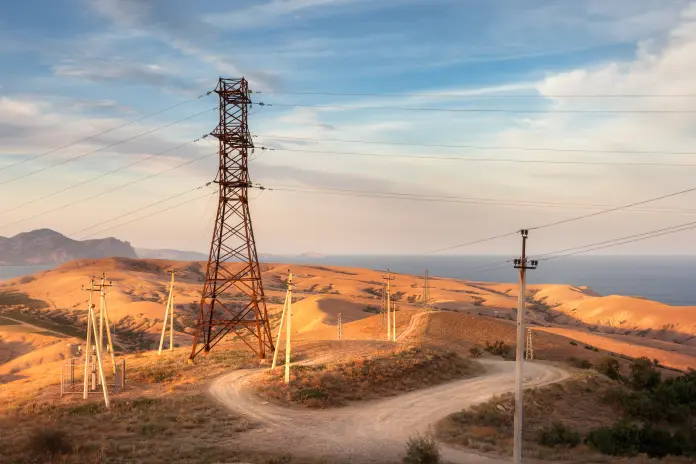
x=287 y=335
x=89 y=340
x=99 y=363
x=110 y=347
x=280 y=330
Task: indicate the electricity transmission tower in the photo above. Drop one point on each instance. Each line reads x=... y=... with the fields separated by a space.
x=168 y=314
x=426 y=292
x=529 y=350
x=522 y=264
x=340 y=326
x=233 y=237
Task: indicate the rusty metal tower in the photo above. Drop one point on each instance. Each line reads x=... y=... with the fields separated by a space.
x=222 y=310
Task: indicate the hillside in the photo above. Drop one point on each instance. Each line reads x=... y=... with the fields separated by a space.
x=45 y=246
x=466 y=313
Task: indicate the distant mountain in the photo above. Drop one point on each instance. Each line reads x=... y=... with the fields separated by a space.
x=311 y=255
x=45 y=246
x=173 y=255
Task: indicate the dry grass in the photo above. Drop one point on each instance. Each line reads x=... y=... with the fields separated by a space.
x=164 y=416
x=366 y=378
x=576 y=403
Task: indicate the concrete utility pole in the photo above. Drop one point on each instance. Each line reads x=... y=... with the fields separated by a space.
x=287 y=334
x=168 y=313
x=522 y=264
x=104 y=318
x=340 y=326
x=394 y=323
x=92 y=330
x=280 y=331
x=388 y=278
x=426 y=291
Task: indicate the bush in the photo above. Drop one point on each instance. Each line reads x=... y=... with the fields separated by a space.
x=573 y=342
x=644 y=374
x=609 y=367
x=50 y=442
x=422 y=449
x=622 y=439
x=499 y=348
x=475 y=351
x=625 y=439
x=558 y=435
x=580 y=363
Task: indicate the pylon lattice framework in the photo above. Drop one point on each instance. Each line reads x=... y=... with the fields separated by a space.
x=233 y=238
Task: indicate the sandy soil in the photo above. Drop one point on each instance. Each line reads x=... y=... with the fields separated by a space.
x=375 y=431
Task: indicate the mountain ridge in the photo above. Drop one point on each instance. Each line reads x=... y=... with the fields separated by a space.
x=46 y=246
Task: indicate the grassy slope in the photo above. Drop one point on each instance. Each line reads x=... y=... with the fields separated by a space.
x=366 y=378
x=577 y=403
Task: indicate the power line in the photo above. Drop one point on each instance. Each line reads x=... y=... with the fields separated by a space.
x=151 y=214
x=483 y=147
x=92 y=179
x=457 y=199
x=487 y=160
x=477 y=110
x=67 y=205
x=139 y=209
x=69 y=160
x=482 y=95
x=577 y=218
x=621 y=241
x=133 y=121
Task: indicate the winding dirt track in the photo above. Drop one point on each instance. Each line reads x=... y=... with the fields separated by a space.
x=374 y=431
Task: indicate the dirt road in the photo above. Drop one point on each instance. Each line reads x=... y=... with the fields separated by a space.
x=374 y=431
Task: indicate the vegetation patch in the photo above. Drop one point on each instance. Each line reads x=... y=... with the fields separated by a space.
x=639 y=414
x=337 y=384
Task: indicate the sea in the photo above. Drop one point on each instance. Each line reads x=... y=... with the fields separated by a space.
x=668 y=279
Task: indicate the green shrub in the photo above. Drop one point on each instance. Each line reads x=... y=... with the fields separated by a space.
x=312 y=393
x=573 y=342
x=475 y=351
x=498 y=348
x=49 y=442
x=609 y=367
x=558 y=434
x=621 y=439
x=422 y=449
x=644 y=374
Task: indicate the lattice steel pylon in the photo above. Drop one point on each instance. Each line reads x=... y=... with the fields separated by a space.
x=233 y=237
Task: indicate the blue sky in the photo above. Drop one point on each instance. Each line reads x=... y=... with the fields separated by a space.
x=72 y=68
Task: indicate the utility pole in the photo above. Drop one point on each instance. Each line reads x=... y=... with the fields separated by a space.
x=529 y=352
x=287 y=334
x=168 y=313
x=388 y=278
x=426 y=291
x=340 y=326
x=233 y=237
x=522 y=264
x=394 y=323
x=104 y=319
x=280 y=330
x=92 y=330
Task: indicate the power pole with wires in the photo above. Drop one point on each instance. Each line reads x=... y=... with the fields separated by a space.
x=388 y=278
x=339 y=324
x=233 y=237
x=168 y=317
x=522 y=264
x=89 y=347
x=426 y=292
